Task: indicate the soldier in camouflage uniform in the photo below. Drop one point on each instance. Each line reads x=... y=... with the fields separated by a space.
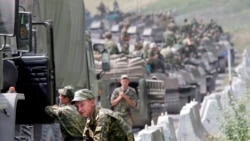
x=138 y=52
x=169 y=37
x=123 y=99
x=110 y=44
x=156 y=60
x=71 y=122
x=102 y=124
x=125 y=38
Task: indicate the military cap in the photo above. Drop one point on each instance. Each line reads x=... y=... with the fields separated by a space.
x=124 y=76
x=67 y=91
x=83 y=94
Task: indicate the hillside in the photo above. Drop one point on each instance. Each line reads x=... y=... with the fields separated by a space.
x=231 y=14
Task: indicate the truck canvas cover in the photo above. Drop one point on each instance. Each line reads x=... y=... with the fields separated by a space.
x=69 y=39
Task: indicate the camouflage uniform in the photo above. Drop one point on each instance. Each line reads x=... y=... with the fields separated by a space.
x=71 y=122
x=124 y=40
x=169 y=38
x=138 y=52
x=123 y=107
x=104 y=124
x=155 y=61
x=110 y=44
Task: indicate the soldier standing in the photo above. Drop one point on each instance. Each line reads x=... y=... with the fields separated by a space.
x=116 y=6
x=102 y=124
x=169 y=37
x=123 y=99
x=110 y=44
x=125 y=38
x=71 y=122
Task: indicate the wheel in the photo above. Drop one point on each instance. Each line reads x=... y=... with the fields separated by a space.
x=172 y=100
x=47 y=133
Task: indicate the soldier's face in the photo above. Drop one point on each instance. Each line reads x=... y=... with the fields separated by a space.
x=63 y=99
x=85 y=108
x=124 y=82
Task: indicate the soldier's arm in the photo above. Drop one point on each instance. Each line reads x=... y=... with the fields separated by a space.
x=52 y=111
x=115 y=98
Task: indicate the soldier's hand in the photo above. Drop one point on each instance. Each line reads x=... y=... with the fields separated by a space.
x=55 y=106
x=121 y=93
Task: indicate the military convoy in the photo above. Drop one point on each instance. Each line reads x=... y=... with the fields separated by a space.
x=193 y=78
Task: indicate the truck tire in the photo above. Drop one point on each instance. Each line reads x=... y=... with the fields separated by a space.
x=47 y=133
x=172 y=100
x=57 y=132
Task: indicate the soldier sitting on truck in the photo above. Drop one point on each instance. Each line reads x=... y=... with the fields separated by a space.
x=138 y=52
x=110 y=44
x=71 y=122
x=156 y=60
x=123 y=99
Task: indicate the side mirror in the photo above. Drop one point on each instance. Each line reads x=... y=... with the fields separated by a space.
x=105 y=60
x=105 y=56
x=8 y=16
x=24 y=36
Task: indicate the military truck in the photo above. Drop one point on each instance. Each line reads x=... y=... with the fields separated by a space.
x=97 y=29
x=53 y=53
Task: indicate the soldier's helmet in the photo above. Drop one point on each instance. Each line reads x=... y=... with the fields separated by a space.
x=107 y=35
x=67 y=91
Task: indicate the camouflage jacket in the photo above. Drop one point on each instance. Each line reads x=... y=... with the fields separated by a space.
x=106 y=125
x=123 y=106
x=124 y=35
x=111 y=46
x=71 y=122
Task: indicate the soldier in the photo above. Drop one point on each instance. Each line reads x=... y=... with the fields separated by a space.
x=123 y=99
x=169 y=37
x=156 y=60
x=125 y=38
x=185 y=29
x=110 y=44
x=102 y=9
x=138 y=52
x=71 y=122
x=116 y=6
x=102 y=124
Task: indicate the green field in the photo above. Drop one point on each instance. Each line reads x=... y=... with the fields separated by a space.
x=233 y=15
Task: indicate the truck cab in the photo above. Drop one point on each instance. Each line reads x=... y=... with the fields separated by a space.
x=42 y=50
